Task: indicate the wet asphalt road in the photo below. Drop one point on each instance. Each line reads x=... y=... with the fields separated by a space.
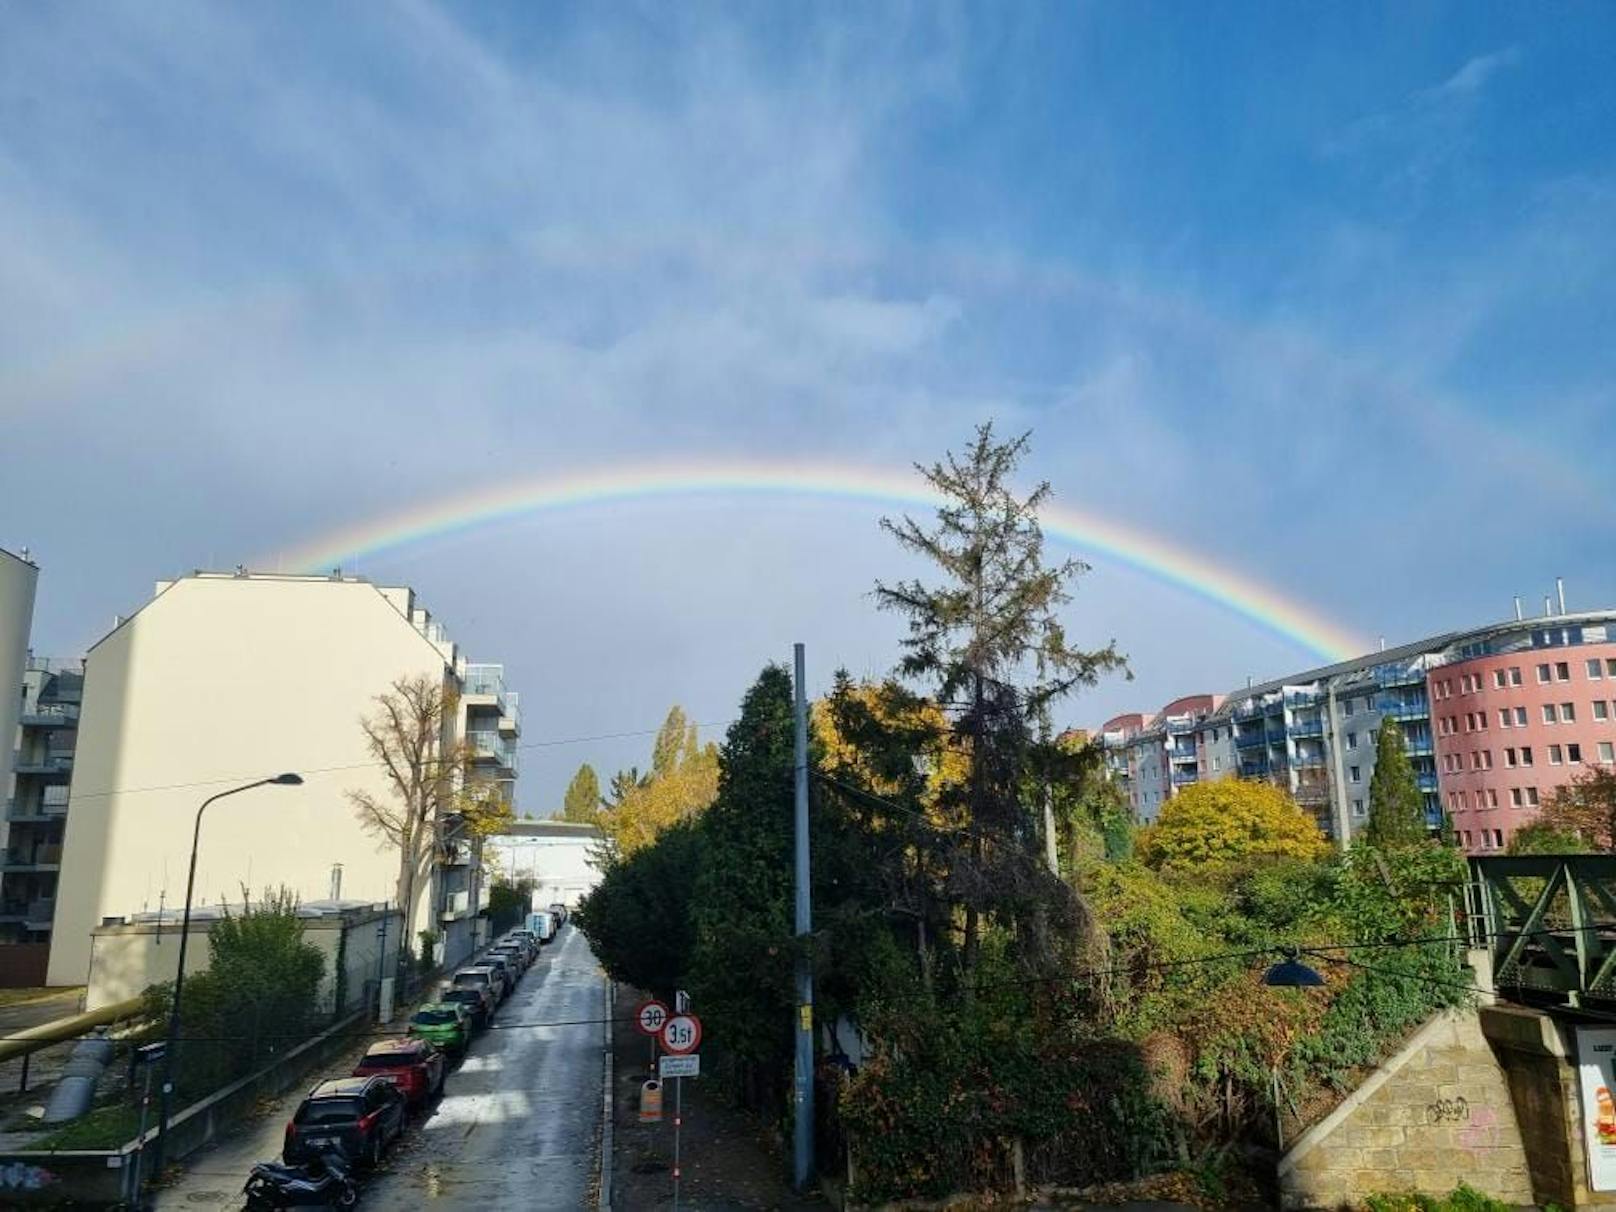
x=517 y=1125
x=518 y=1121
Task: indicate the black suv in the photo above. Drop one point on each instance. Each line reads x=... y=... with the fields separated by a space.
x=357 y=1116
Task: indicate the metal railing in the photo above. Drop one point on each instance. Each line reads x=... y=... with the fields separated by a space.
x=50 y=715
x=1308 y=727
x=490 y=744
x=485 y=679
x=1548 y=923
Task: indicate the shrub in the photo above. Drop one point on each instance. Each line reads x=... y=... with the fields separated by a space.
x=1229 y=821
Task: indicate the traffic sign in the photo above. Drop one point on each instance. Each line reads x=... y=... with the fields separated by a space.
x=681 y=1002
x=649 y=1017
x=679 y=1066
x=681 y=1034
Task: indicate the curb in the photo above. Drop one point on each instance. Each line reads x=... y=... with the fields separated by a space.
x=604 y=1201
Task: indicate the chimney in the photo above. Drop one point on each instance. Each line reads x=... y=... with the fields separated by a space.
x=1548 y=606
x=1518 y=615
x=1559 y=589
x=1383 y=643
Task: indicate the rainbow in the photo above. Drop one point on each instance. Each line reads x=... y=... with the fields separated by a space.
x=1086 y=532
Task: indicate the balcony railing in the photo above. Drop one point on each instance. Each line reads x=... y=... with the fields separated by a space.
x=26 y=858
x=1251 y=739
x=1425 y=782
x=485 y=679
x=45 y=763
x=1399 y=675
x=1301 y=698
x=1308 y=727
x=50 y=715
x=1308 y=761
x=1182 y=778
x=489 y=744
x=40 y=913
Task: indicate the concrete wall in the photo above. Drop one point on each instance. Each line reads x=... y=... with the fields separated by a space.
x=1437 y=1114
x=125 y=960
x=220 y=680
x=17 y=581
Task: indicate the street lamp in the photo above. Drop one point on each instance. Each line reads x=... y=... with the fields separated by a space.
x=279 y=780
x=1292 y=973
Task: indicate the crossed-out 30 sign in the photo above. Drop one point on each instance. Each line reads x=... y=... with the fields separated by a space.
x=681 y=1034
x=649 y=1017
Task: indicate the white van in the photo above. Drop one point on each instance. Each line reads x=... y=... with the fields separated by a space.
x=543 y=925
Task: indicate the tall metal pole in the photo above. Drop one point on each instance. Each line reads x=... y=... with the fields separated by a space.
x=166 y=1090
x=803 y=1126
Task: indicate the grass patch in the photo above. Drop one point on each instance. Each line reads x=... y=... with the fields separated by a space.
x=102 y=1128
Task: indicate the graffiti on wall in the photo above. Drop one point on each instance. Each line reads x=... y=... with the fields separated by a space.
x=20 y=1176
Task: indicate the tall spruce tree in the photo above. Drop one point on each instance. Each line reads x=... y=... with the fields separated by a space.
x=1396 y=807
x=582 y=800
x=989 y=640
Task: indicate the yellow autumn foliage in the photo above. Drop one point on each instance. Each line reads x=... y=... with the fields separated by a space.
x=1227 y=821
x=947 y=764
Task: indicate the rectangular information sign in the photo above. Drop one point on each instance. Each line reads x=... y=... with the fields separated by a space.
x=680 y=1066
x=1596 y=1073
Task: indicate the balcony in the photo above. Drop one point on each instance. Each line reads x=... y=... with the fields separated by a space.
x=489 y=745
x=1308 y=761
x=32 y=858
x=1255 y=738
x=1425 y=782
x=31 y=814
x=456 y=905
x=1301 y=698
x=1248 y=711
x=1312 y=726
x=1183 y=778
x=1404 y=709
x=485 y=680
x=510 y=714
x=43 y=763
x=1399 y=675
x=1182 y=724
x=1421 y=746
x=50 y=715
x=40 y=914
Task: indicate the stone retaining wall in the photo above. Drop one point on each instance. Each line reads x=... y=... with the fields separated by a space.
x=1436 y=1114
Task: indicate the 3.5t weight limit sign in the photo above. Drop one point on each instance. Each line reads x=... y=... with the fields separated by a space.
x=649 y=1018
x=681 y=1034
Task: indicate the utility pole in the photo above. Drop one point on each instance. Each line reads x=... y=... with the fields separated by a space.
x=803 y=1123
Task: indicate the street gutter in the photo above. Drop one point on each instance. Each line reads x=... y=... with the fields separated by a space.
x=603 y=1201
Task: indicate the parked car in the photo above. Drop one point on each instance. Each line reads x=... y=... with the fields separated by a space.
x=504 y=966
x=543 y=925
x=413 y=1065
x=524 y=939
x=559 y=912
x=513 y=954
x=358 y=1117
x=444 y=1025
x=478 y=1003
x=482 y=977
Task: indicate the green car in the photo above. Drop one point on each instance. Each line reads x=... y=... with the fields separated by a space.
x=445 y=1024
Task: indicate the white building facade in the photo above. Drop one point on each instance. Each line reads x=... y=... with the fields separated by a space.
x=223 y=679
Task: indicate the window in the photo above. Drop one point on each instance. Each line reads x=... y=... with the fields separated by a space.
x=1542 y=674
x=1355 y=773
x=1464 y=801
x=1352 y=740
x=1466 y=836
x=1503 y=717
x=1554 y=755
x=1514 y=675
x=1526 y=755
x=1601 y=710
x=1498 y=839
x=1610 y=668
x=1568 y=713
x=1607 y=753
x=1357 y=808
x=1374 y=735
x=1562 y=671
x=1531 y=796
x=1509 y=758
x=1595 y=668
x=1217 y=764
x=1520 y=717
x=1516 y=797
x=1549 y=715
x=1574 y=754
x=1492 y=798
x=1498 y=679
x=1486 y=759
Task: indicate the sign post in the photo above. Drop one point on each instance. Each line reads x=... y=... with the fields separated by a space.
x=681 y=1035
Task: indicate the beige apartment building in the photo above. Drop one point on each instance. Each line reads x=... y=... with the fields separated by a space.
x=222 y=679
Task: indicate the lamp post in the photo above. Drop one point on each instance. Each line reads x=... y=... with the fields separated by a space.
x=167 y=1089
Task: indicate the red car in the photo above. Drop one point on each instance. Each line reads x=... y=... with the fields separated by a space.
x=413 y=1065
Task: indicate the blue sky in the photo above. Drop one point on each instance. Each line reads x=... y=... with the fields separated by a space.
x=1324 y=293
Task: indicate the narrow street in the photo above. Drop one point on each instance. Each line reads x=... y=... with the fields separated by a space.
x=517 y=1124
x=518 y=1121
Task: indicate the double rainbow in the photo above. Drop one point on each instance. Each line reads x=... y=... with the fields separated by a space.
x=1088 y=533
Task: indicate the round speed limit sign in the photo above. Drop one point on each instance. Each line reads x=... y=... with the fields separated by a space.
x=649 y=1017
x=681 y=1034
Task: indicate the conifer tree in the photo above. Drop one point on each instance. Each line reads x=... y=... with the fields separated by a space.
x=1396 y=807
x=582 y=800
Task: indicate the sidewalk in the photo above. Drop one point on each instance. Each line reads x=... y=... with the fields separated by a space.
x=728 y=1162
